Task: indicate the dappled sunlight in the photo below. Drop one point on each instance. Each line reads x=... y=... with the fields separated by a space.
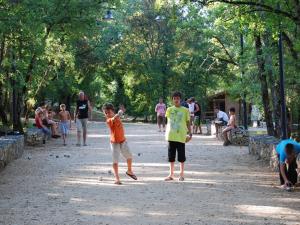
x=116 y=211
x=268 y=211
x=127 y=135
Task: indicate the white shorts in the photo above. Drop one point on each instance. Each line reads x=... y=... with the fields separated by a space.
x=120 y=148
x=81 y=124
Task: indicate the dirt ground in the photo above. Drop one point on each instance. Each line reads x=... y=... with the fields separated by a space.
x=74 y=185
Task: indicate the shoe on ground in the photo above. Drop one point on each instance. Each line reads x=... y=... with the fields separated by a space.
x=226 y=143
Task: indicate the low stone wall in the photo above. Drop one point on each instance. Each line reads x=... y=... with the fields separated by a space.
x=263 y=148
x=34 y=137
x=239 y=137
x=11 y=147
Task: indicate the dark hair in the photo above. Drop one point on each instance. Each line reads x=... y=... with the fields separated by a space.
x=192 y=99
x=176 y=94
x=108 y=106
x=289 y=149
x=217 y=108
x=42 y=104
x=232 y=109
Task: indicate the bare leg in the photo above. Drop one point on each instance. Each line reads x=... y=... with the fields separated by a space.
x=172 y=164
x=64 y=138
x=84 y=136
x=129 y=166
x=116 y=172
x=182 y=169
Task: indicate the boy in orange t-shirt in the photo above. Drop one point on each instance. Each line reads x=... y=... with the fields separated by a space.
x=118 y=141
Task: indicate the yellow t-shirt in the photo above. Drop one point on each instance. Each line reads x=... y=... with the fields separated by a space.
x=177 y=123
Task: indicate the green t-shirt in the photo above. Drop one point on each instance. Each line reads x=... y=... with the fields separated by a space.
x=177 y=123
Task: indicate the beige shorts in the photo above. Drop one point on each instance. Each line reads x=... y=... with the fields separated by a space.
x=81 y=124
x=118 y=149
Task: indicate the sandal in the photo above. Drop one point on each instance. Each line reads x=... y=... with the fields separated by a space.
x=131 y=175
x=118 y=183
x=181 y=178
x=169 y=178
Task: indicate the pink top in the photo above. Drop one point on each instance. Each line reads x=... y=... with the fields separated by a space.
x=161 y=109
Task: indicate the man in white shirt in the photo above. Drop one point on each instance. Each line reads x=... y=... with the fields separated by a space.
x=222 y=119
x=191 y=103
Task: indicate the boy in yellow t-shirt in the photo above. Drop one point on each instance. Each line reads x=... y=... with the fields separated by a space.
x=176 y=134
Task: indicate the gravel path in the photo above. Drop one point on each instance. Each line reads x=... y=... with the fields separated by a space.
x=74 y=185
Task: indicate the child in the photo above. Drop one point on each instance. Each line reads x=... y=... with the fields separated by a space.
x=39 y=124
x=118 y=141
x=160 y=110
x=177 y=127
x=64 y=116
x=231 y=125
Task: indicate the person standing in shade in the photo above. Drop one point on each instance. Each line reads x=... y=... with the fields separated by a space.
x=191 y=103
x=197 y=120
x=160 y=109
x=83 y=107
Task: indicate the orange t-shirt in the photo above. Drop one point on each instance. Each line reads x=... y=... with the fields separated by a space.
x=116 y=130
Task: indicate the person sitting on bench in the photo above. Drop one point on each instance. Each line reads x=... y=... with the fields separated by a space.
x=287 y=151
x=221 y=120
x=230 y=126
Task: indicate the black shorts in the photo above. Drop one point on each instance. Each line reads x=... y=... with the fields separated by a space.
x=180 y=148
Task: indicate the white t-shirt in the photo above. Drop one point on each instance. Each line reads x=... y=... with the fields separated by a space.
x=222 y=115
x=192 y=108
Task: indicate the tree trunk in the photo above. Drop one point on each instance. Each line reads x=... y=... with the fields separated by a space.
x=3 y=114
x=264 y=84
x=274 y=86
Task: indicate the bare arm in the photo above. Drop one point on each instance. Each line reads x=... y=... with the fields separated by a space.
x=75 y=113
x=69 y=118
x=282 y=170
x=89 y=106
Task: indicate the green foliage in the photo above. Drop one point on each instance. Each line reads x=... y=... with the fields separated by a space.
x=52 y=49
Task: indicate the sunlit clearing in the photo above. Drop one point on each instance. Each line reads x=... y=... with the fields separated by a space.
x=268 y=211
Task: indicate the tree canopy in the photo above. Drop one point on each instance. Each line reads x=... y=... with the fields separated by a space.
x=133 y=52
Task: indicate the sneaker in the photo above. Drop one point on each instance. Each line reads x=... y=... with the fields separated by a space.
x=85 y=144
x=78 y=144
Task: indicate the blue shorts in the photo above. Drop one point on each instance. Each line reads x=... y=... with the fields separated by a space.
x=64 y=127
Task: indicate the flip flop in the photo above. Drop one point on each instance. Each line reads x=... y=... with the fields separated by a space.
x=181 y=179
x=169 y=179
x=131 y=175
x=118 y=183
